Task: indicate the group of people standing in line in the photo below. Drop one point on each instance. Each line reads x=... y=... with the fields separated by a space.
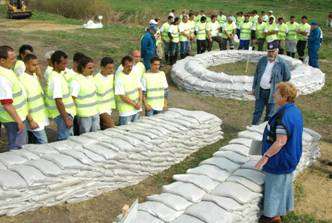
x=250 y=30
x=76 y=99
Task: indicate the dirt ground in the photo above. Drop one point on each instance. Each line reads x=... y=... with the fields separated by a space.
x=28 y=26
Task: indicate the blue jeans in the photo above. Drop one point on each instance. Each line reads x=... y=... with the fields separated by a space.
x=16 y=140
x=260 y=103
x=62 y=131
x=167 y=49
x=174 y=49
x=313 y=56
x=39 y=137
x=244 y=44
x=124 y=120
x=88 y=124
x=184 y=48
x=152 y=112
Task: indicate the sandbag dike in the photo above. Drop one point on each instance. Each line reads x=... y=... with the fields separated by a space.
x=88 y=165
x=223 y=189
x=192 y=74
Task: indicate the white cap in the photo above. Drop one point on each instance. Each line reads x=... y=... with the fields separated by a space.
x=49 y=54
x=270 y=11
x=153 y=22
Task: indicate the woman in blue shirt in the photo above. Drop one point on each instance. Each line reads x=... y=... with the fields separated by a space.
x=282 y=150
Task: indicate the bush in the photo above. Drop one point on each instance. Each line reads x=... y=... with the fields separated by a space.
x=78 y=9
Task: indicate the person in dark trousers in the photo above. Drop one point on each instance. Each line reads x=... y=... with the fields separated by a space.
x=270 y=70
x=281 y=153
x=302 y=36
x=201 y=35
x=148 y=46
x=314 y=42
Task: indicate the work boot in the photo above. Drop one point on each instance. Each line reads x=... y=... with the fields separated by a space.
x=264 y=219
x=276 y=219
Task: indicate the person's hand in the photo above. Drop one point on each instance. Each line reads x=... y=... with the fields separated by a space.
x=68 y=122
x=20 y=126
x=137 y=106
x=148 y=107
x=261 y=162
x=33 y=124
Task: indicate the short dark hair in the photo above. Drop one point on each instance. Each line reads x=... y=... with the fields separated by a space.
x=191 y=14
x=57 y=56
x=292 y=17
x=77 y=56
x=24 y=48
x=29 y=57
x=203 y=19
x=125 y=59
x=304 y=17
x=254 y=11
x=155 y=59
x=176 y=19
x=105 y=61
x=213 y=16
x=4 y=51
x=170 y=17
x=82 y=63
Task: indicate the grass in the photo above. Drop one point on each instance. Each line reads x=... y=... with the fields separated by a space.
x=117 y=39
x=238 y=68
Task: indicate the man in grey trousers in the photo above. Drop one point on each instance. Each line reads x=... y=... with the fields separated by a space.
x=271 y=70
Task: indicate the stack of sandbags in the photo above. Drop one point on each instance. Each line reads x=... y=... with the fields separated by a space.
x=225 y=188
x=88 y=165
x=192 y=74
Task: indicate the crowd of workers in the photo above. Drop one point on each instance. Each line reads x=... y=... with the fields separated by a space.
x=76 y=99
x=245 y=30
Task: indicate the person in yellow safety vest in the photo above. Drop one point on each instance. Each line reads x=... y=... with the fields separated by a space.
x=270 y=14
x=199 y=16
x=185 y=35
x=214 y=29
x=245 y=33
x=254 y=17
x=282 y=30
x=69 y=74
x=49 y=67
x=84 y=93
x=271 y=32
x=260 y=33
x=138 y=67
x=59 y=103
x=239 y=20
x=228 y=33
x=174 y=35
x=129 y=91
x=104 y=81
x=165 y=38
x=201 y=35
x=19 y=67
x=291 y=36
x=13 y=99
x=155 y=89
x=303 y=32
x=222 y=19
x=192 y=25
x=37 y=113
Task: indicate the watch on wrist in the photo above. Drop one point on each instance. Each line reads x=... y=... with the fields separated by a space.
x=265 y=155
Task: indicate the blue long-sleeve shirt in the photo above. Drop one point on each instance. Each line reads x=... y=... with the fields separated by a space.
x=148 y=45
x=315 y=38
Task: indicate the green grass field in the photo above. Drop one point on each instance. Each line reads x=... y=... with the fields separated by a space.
x=123 y=35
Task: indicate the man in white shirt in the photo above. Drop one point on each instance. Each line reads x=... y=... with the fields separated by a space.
x=270 y=71
x=13 y=108
x=214 y=29
x=129 y=90
x=185 y=35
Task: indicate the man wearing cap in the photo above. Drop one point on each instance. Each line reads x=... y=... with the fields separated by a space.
x=302 y=34
x=148 y=46
x=314 y=42
x=271 y=70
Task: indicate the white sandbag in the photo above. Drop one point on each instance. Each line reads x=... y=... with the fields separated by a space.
x=159 y=210
x=186 y=190
x=226 y=203
x=222 y=163
x=253 y=175
x=247 y=183
x=215 y=214
x=176 y=202
x=30 y=174
x=235 y=191
x=11 y=180
x=201 y=181
x=144 y=217
x=9 y=159
x=211 y=171
x=48 y=168
x=64 y=162
x=232 y=156
x=243 y=150
x=187 y=219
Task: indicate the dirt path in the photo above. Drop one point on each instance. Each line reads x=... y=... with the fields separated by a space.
x=34 y=25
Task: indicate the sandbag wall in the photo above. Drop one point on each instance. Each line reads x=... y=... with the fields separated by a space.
x=88 y=165
x=192 y=74
x=225 y=188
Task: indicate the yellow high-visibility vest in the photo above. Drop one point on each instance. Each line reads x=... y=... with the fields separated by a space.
x=105 y=92
x=201 y=31
x=19 y=97
x=155 y=91
x=292 y=34
x=131 y=87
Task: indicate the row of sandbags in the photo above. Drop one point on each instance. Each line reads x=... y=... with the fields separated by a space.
x=88 y=165
x=192 y=74
x=225 y=188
